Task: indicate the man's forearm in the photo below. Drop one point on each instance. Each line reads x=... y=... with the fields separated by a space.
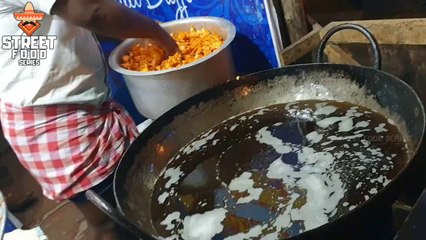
x=108 y=18
x=120 y=22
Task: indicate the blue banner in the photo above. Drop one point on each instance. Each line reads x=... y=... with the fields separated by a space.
x=253 y=49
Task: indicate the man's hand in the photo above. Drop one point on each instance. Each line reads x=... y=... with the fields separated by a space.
x=111 y=19
x=167 y=43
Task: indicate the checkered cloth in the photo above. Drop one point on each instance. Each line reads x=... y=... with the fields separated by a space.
x=68 y=148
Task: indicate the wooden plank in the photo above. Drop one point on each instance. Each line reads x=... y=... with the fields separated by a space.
x=295 y=17
x=336 y=54
x=311 y=20
x=394 y=31
x=301 y=47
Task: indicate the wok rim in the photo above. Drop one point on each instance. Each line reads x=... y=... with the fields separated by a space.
x=208 y=94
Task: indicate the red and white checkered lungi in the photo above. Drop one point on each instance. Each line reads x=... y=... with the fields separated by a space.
x=68 y=148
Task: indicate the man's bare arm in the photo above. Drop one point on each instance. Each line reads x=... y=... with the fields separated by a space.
x=111 y=19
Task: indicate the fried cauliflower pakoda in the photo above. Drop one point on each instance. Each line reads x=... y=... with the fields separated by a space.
x=193 y=45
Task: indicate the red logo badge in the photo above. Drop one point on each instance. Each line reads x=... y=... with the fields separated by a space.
x=29 y=19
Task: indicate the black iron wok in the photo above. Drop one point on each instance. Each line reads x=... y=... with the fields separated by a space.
x=140 y=167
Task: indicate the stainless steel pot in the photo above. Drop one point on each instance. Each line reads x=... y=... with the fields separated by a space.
x=154 y=93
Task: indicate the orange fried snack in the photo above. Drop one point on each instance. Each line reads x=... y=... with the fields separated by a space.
x=193 y=45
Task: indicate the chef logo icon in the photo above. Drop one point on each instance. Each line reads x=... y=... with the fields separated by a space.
x=29 y=19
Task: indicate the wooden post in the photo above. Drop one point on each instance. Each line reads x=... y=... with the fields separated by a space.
x=295 y=18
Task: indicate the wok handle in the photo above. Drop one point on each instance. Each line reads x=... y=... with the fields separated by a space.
x=115 y=215
x=359 y=28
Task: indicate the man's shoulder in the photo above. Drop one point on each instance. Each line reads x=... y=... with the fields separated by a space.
x=6 y=7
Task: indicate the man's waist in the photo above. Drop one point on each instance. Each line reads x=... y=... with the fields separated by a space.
x=54 y=99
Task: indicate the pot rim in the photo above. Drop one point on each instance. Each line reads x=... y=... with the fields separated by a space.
x=223 y=23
